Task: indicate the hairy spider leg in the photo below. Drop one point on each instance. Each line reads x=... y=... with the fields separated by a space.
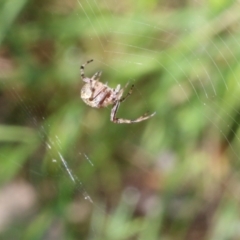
x=128 y=94
x=82 y=68
x=114 y=119
x=97 y=76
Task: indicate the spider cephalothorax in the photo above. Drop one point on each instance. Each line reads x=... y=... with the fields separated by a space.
x=97 y=94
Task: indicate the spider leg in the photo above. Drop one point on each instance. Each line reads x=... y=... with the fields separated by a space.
x=128 y=94
x=97 y=76
x=117 y=90
x=82 y=68
x=114 y=119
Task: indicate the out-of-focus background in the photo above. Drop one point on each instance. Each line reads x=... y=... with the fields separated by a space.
x=67 y=172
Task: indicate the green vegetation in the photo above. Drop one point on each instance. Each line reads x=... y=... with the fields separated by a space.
x=174 y=176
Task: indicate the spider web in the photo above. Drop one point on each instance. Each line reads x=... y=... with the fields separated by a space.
x=187 y=71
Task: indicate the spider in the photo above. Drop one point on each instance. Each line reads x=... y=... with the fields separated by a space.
x=97 y=94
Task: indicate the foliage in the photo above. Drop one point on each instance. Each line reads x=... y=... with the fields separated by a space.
x=75 y=174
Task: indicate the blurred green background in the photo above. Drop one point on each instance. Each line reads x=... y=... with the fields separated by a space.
x=67 y=172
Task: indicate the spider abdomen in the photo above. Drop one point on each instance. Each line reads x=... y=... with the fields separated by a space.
x=97 y=94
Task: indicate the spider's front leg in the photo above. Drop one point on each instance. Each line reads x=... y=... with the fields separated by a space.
x=114 y=119
x=82 y=69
